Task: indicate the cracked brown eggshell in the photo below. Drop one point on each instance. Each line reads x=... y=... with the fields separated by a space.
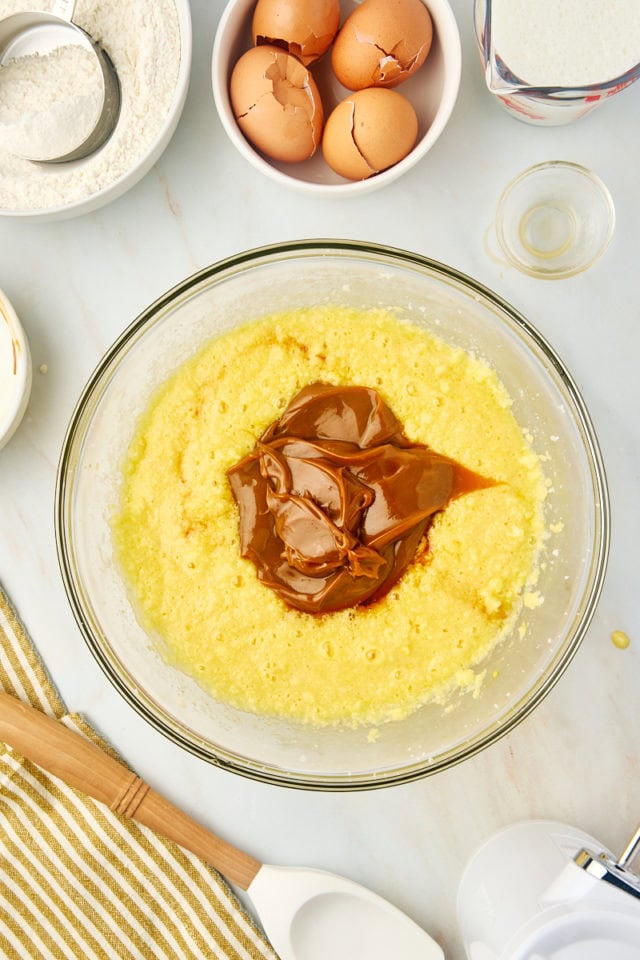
x=369 y=131
x=382 y=43
x=276 y=104
x=305 y=28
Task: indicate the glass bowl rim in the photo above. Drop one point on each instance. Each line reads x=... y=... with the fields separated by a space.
x=172 y=729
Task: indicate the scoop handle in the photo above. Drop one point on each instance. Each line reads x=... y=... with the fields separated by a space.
x=64 y=9
x=84 y=766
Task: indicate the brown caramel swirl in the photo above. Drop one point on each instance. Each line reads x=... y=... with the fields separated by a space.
x=334 y=500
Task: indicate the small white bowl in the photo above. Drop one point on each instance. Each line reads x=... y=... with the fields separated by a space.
x=15 y=371
x=143 y=163
x=432 y=90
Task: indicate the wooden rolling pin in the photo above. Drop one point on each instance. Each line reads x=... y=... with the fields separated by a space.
x=84 y=766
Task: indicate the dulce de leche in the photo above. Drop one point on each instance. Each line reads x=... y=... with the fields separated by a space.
x=335 y=500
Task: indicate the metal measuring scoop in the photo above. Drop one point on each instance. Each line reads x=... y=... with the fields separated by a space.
x=38 y=33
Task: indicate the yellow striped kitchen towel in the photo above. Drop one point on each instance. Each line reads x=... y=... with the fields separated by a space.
x=77 y=881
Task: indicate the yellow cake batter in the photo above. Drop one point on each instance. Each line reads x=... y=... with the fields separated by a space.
x=176 y=532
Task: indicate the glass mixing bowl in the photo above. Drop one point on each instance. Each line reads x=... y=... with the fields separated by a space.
x=520 y=672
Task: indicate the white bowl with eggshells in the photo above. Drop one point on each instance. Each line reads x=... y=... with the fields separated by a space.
x=15 y=371
x=138 y=35
x=432 y=91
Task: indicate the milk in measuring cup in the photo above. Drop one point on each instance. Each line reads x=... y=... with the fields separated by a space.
x=587 y=50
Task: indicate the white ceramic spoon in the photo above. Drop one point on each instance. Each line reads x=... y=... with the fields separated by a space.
x=307 y=914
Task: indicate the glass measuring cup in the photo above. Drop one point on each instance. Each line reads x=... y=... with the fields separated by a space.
x=546 y=105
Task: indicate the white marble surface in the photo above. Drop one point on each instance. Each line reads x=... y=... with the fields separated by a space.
x=76 y=284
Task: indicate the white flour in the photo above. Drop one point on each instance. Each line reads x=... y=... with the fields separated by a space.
x=50 y=103
x=142 y=37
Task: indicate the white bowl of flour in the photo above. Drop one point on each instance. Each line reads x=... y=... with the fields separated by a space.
x=149 y=42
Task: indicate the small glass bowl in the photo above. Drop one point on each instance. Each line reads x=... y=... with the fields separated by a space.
x=555 y=220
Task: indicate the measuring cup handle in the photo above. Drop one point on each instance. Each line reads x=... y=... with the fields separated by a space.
x=64 y=9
